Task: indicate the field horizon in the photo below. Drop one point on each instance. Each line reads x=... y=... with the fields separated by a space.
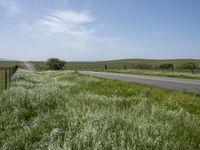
x=119 y=62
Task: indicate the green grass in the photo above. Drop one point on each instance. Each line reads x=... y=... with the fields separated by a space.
x=9 y=63
x=166 y=73
x=65 y=110
x=117 y=64
x=2 y=86
x=111 y=64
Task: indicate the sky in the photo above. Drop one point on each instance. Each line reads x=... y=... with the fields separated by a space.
x=92 y=30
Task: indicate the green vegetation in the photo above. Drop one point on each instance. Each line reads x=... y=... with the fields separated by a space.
x=2 y=86
x=9 y=63
x=119 y=64
x=166 y=66
x=165 y=73
x=64 y=110
x=129 y=63
x=190 y=66
x=55 y=64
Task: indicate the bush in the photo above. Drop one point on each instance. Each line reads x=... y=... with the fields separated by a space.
x=143 y=66
x=55 y=64
x=166 y=66
x=190 y=66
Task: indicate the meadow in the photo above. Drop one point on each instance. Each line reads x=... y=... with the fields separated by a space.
x=118 y=66
x=65 y=110
x=100 y=65
x=165 y=73
x=129 y=63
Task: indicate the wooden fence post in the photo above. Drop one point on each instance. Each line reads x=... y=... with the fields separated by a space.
x=106 y=67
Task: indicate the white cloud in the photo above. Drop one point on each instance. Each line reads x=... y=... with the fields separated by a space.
x=69 y=29
x=11 y=7
x=66 y=21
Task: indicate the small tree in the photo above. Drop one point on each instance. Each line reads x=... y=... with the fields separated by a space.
x=189 y=66
x=166 y=66
x=55 y=64
x=143 y=66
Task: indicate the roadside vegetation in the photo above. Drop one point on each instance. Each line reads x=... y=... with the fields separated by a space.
x=65 y=110
x=182 y=68
x=1 y=81
x=55 y=64
x=158 y=72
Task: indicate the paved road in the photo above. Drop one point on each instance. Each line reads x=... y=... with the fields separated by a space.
x=187 y=85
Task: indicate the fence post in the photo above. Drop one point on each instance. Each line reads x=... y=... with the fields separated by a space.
x=106 y=67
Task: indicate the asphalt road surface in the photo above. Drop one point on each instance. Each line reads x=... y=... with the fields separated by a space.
x=187 y=85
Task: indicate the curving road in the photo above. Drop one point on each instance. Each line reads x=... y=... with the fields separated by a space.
x=187 y=85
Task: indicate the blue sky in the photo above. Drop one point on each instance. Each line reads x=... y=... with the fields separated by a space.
x=89 y=30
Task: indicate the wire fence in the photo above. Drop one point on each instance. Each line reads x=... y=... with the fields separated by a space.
x=6 y=74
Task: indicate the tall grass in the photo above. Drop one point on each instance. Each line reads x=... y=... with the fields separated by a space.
x=166 y=73
x=65 y=110
x=2 y=86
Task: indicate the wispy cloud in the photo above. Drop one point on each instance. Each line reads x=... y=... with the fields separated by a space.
x=11 y=7
x=78 y=28
x=66 y=21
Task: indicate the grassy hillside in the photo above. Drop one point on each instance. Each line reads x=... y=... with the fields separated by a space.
x=9 y=63
x=118 y=64
x=65 y=110
x=112 y=64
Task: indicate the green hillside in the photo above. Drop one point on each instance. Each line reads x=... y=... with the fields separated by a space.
x=112 y=64
x=118 y=64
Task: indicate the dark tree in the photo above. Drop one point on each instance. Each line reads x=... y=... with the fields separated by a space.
x=143 y=66
x=190 y=66
x=166 y=66
x=106 y=67
x=55 y=64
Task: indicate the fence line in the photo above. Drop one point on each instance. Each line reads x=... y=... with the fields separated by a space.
x=9 y=72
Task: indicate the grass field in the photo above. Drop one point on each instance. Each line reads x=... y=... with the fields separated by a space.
x=166 y=73
x=129 y=63
x=65 y=110
x=9 y=63
x=112 y=64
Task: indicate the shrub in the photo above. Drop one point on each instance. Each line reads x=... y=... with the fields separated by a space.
x=143 y=66
x=190 y=65
x=166 y=66
x=55 y=64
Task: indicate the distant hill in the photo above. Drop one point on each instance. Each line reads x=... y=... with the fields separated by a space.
x=2 y=59
x=128 y=62
x=112 y=64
